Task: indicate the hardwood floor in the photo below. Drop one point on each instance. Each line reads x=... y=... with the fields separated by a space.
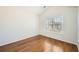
x=39 y=43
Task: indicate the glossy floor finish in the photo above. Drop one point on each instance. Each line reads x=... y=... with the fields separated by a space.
x=39 y=43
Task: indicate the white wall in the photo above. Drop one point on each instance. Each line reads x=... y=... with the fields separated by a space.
x=78 y=27
x=69 y=33
x=17 y=23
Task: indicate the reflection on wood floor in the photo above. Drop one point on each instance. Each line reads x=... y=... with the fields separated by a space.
x=39 y=43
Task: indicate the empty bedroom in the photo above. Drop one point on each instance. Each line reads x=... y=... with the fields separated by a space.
x=39 y=29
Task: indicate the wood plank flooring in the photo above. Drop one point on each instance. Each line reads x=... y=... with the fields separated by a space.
x=39 y=43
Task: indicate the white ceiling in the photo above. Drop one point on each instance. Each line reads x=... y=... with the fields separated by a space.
x=32 y=9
